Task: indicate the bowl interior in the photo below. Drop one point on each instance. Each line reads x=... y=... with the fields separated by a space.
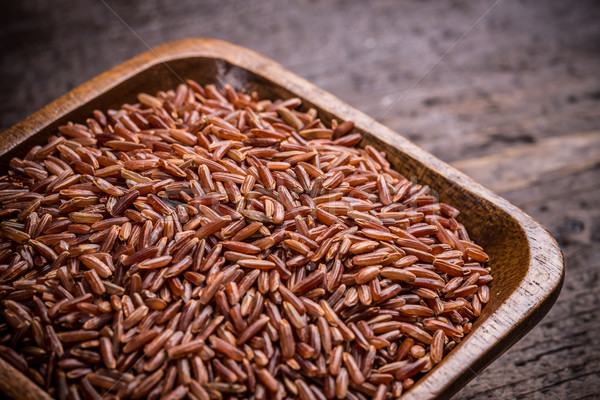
x=499 y=233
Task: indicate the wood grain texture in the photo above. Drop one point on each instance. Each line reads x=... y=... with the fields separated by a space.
x=526 y=262
x=518 y=167
x=526 y=72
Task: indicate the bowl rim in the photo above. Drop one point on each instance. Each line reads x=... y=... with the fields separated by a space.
x=529 y=302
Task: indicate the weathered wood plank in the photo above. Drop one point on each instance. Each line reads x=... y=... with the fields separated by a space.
x=461 y=136
x=519 y=167
x=533 y=197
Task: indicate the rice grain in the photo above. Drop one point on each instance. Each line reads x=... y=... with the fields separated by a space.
x=211 y=244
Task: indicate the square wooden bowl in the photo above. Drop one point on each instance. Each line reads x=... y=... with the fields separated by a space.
x=526 y=262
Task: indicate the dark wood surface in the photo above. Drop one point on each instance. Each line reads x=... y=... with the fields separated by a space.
x=515 y=104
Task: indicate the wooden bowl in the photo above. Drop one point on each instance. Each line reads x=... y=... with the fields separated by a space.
x=526 y=262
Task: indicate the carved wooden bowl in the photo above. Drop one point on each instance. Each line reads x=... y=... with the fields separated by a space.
x=526 y=262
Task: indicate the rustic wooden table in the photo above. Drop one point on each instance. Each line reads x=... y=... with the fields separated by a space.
x=507 y=91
